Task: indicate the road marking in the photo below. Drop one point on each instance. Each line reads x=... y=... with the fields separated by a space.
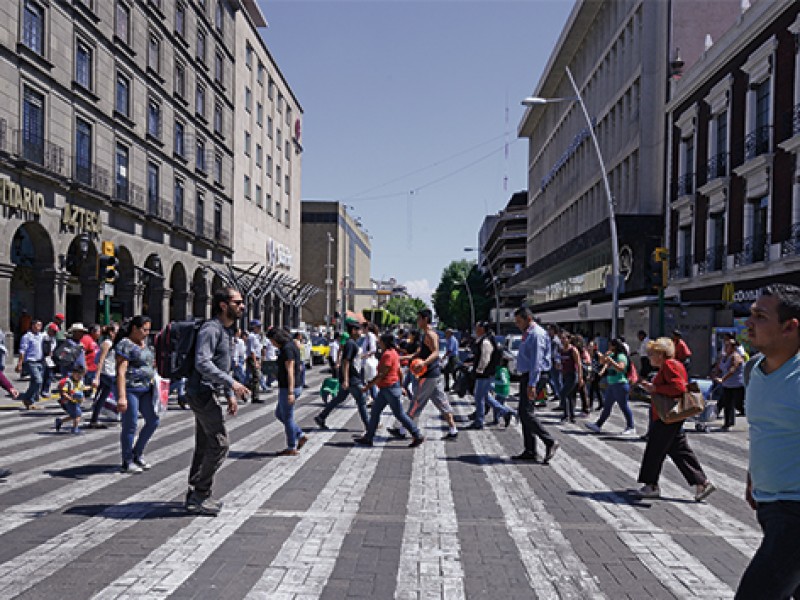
x=430 y=555
x=308 y=556
x=553 y=567
x=166 y=568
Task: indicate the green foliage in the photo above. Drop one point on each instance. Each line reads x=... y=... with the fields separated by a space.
x=405 y=308
x=451 y=299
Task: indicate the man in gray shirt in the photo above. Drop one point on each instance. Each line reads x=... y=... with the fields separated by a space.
x=209 y=384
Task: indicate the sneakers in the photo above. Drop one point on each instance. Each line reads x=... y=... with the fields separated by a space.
x=396 y=433
x=507 y=418
x=76 y=431
x=593 y=427
x=629 y=432
x=197 y=504
x=705 y=491
x=451 y=435
x=649 y=491
x=142 y=463
x=320 y=423
x=59 y=421
x=417 y=441
x=96 y=425
x=130 y=468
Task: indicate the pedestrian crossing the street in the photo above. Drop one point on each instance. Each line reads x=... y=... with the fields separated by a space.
x=450 y=519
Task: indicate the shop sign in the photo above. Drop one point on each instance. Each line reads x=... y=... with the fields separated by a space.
x=21 y=198
x=80 y=219
x=730 y=295
x=278 y=255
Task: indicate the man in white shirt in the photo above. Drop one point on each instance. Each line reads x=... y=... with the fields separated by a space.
x=254 y=349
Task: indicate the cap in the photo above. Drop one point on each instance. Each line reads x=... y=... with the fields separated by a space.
x=60 y=317
x=53 y=328
x=255 y=323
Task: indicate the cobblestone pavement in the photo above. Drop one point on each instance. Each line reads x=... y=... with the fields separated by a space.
x=446 y=520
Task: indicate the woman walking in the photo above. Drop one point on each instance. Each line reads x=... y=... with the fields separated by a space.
x=105 y=376
x=617 y=364
x=669 y=439
x=290 y=386
x=390 y=393
x=571 y=375
x=135 y=389
x=731 y=378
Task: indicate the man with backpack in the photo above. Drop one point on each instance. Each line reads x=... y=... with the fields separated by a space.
x=209 y=384
x=70 y=352
x=487 y=356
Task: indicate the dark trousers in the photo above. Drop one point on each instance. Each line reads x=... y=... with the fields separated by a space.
x=669 y=440
x=449 y=371
x=774 y=571
x=253 y=379
x=594 y=392
x=531 y=426
x=211 y=441
x=731 y=399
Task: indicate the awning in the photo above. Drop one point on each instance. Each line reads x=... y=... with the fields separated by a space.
x=256 y=280
x=587 y=311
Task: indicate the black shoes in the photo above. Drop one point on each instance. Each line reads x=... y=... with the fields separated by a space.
x=475 y=426
x=527 y=456
x=396 y=433
x=507 y=419
x=551 y=450
x=451 y=435
x=417 y=441
x=320 y=423
x=197 y=504
x=362 y=441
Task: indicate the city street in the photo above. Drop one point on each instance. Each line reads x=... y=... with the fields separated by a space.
x=447 y=520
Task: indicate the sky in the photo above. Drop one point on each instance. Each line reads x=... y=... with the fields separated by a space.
x=410 y=113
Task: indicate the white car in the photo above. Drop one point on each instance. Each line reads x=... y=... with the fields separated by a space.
x=510 y=350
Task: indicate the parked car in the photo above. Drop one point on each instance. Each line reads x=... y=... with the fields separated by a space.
x=320 y=350
x=510 y=351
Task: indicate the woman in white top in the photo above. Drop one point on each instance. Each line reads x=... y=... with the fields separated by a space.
x=106 y=374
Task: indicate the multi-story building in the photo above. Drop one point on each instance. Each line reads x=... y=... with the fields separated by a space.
x=620 y=54
x=501 y=242
x=336 y=258
x=116 y=124
x=734 y=203
x=267 y=172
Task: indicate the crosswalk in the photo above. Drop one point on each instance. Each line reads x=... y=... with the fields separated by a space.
x=446 y=520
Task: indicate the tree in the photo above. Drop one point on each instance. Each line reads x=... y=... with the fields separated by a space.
x=451 y=299
x=405 y=308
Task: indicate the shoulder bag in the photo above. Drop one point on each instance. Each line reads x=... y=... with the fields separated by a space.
x=673 y=410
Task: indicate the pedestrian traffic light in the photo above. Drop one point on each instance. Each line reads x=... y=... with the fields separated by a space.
x=107 y=264
x=656 y=274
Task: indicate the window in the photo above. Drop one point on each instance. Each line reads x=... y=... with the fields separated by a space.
x=278 y=140
x=260 y=73
x=83 y=64
x=200 y=101
x=258 y=196
x=247 y=187
x=122 y=22
x=180 y=19
x=269 y=166
x=199 y=213
x=247 y=141
x=217 y=220
x=286 y=185
x=289 y=116
x=121 y=172
x=716 y=242
x=269 y=127
x=122 y=96
x=177 y=202
x=219 y=68
x=180 y=79
x=83 y=151
x=286 y=216
x=248 y=56
x=33 y=27
x=280 y=103
x=271 y=89
x=152 y=188
x=219 y=17
x=201 y=46
x=286 y=150
x=278 y=212
x=180 y=139
x=278 y=175
x=154 y=119
x=218 y=168
x=200 y=155
x=269 y=203
x=248 y=99
x=259 y=155
x=760 y=228
x=33 y=126
x=259 y=114
x=153 y=53
x=218 y=119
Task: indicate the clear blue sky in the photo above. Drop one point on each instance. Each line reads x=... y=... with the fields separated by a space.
x=393 y=87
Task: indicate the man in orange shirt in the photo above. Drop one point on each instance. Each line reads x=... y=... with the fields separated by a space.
x=682 y=352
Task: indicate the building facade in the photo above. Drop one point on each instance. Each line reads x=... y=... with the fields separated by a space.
x=115 y=125
x=620 y=55
x=734 y=201
x=336 y=258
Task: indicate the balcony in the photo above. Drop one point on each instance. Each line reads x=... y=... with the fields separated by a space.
x=791 y=247
x=717 y=166
x=37 y=150
x=715 y=260
x=94 y=177
x=684 y=185
x=129 y=195
x=159 y=208
x=757 y=142
x=755 y=249
x=682 y=268
x=184 y=221
x=204 y=230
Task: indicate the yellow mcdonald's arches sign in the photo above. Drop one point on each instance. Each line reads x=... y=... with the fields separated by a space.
x=727 y=293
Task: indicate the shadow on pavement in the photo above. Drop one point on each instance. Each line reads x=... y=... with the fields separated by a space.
x=133 y=510
x=627 y=496
x=83 y=471
x=479 y=460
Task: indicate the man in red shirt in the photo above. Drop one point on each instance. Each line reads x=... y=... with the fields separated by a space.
x=682 y=352
x=90 y=350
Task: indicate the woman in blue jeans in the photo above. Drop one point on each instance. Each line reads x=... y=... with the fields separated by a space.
x=290 y=386
x=617 y=365
x=135 y=389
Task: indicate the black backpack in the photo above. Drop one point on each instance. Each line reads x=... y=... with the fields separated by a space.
x=66 y=354
x=175 y=348
x=495 y=359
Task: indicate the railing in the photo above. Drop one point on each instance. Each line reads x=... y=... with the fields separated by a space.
x=40 y=151
x=791 y=247
x=93 y=176
x=757 y=142
x=685 y=185
x=717 y=166
x=224 y=239
x=129 y=194
x=714 y=260
x=754 y=249
x=682 y=268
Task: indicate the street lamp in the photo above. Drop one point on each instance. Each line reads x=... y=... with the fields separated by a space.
x=535 y=101
x=494 y=285
x=328 y=282
x=471 y=304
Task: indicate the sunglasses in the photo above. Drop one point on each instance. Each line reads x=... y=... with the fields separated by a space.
x=237 y=302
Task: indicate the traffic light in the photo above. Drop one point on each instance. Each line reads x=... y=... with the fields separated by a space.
x=656 y=274
x=107 y=264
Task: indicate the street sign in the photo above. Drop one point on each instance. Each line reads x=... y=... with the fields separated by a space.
x=108 y=289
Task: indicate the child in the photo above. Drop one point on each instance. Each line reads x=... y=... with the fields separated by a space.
x=502 y=390
x=71 y=391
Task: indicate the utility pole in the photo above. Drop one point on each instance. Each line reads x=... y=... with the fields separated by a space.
x=328 y=282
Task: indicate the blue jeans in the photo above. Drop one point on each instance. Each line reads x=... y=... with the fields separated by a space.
x=393 y=397
x=358 y=395
x=284 y=412
x=617 y=393
x=555 y=381
x=774 y=571
x=36 y=370
x=482 y=395
x=138 y=401
x=103 y=391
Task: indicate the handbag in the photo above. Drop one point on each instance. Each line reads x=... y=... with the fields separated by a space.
x=673 y=410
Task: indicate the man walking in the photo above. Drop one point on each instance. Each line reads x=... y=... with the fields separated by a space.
x=554 y=372
x=208 y=385
x=533 y=359
x=32 y=357
x=255 y=347
x=450 y=357
x=773 y=414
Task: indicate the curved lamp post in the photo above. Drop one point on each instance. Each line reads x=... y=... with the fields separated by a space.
x=471 y=305
x=535 y=101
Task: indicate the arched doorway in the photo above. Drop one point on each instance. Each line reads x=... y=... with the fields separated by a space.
x=82 y=284
x=200 y=294
x=180 y=293
x=32 y=282
x=122 y=305
x=153 y=296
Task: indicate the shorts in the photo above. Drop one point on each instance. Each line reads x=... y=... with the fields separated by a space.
x=430 y=388
x=72 y=409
